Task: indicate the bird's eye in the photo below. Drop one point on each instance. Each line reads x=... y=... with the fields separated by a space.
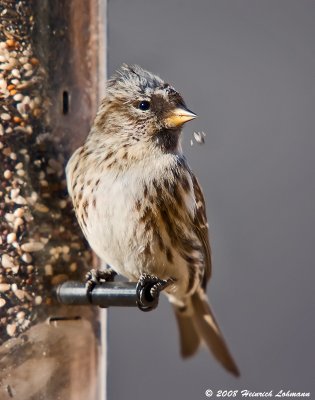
x=144 y=105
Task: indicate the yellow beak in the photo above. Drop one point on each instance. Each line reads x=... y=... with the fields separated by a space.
x=178 y=117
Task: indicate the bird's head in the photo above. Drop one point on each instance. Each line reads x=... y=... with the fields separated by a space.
x=141 y=107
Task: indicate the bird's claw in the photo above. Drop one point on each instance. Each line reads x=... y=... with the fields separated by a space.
x=95 y=276
x=148 y=291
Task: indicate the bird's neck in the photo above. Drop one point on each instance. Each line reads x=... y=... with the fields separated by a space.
x=126 y=148
x=168 y=141
x=106 y=152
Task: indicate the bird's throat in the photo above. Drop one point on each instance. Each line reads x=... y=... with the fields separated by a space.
x=168 y=140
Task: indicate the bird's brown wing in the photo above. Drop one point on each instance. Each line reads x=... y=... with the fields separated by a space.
x=201 y=228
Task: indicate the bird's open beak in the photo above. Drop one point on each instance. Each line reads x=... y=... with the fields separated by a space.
x=178 y=117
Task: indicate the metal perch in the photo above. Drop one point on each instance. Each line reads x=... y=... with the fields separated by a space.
x=109 y=294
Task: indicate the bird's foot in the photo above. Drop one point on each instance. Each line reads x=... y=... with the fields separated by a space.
x=148 y=291
x=95 y=276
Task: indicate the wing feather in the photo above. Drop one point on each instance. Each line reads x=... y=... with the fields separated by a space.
x=201 y=229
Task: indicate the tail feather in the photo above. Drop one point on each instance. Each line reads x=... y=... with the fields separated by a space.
x=210 y=332
x=189 y=336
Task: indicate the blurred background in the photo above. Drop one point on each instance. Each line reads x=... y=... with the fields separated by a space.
x=247 y=68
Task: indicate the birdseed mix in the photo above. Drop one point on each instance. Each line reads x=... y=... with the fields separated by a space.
x=40 y=243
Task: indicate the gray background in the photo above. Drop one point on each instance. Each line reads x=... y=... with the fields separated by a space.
x=247 y=69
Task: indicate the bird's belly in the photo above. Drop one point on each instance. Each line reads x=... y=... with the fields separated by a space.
x=110 y=229
x=116 y=233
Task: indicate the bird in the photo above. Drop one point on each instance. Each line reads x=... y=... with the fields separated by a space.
x=140 y=206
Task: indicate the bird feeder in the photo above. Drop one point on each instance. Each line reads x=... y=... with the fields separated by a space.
x=52 y=73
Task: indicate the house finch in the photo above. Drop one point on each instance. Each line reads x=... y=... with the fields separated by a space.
x=140 y=206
